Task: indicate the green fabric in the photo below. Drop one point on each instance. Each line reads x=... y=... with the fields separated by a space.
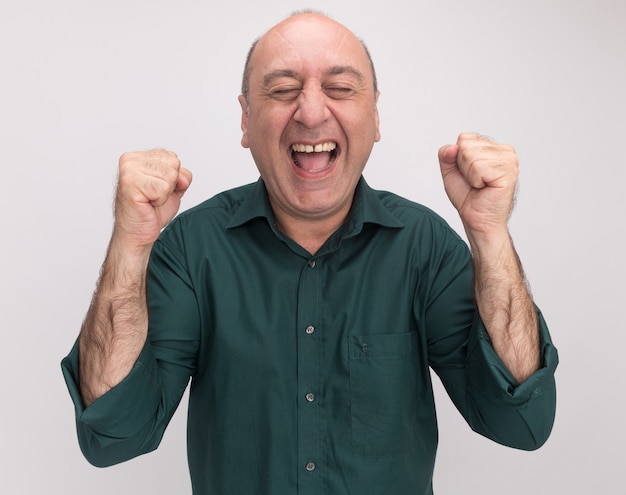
x=258 y=324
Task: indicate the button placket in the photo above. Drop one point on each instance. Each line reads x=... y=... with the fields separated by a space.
x=308 y=376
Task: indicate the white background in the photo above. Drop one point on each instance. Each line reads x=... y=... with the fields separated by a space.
x=81 y=82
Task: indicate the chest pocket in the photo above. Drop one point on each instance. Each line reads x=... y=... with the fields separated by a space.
x=383 y=395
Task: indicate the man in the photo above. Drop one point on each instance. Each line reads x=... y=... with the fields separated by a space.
x=307 y=308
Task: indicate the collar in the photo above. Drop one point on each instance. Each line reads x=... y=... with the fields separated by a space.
x=366 y=208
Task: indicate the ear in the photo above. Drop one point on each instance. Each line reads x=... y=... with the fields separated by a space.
x=244 y=121
x=377 y=117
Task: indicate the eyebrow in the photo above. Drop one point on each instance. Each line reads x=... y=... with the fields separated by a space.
x=333 y=71
x=345 y=69
x=277 y=74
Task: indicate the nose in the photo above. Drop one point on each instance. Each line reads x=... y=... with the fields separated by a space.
x=312 y=110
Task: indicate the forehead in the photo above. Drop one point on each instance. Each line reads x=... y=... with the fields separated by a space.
x=308 y=44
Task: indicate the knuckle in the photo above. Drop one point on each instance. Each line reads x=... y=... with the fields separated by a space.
x=125 y=161
x=156 y=190
x=152 y=174
x=476 y=169
x=466 y=155
x=157 y=186
x=168 y=171
x=124 y=157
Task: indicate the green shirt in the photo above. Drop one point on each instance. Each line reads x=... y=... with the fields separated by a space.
x=310 y=374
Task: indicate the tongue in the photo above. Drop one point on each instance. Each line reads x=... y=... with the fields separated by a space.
x=312 y=162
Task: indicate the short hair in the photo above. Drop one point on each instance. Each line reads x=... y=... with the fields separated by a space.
x=245 y=82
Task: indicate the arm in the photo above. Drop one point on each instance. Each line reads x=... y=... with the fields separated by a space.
x=506 y=308
x=115 y=328
x=480 y=178
x=461 y=352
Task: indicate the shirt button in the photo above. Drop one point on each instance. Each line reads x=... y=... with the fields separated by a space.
x=310 y=466
x=310 y=329
x=310 y=397
x=312 y=264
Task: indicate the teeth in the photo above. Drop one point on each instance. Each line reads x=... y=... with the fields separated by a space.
x=318 y=148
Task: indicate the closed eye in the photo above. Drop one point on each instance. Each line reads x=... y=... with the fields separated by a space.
x=339 y=92
x=284 y=94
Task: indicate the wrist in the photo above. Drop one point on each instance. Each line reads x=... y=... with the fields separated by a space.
x=489 y=247
x=125 y=267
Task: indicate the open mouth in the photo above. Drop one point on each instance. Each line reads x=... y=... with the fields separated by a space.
x=314 y=158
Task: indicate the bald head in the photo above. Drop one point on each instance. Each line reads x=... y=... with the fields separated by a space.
x=309 y=17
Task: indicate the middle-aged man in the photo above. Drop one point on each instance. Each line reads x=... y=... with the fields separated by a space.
x=307 y=308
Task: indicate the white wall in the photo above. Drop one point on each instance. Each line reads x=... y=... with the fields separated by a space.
x=81 y=82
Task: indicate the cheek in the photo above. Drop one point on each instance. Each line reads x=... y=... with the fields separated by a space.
x=360 y=121
x=365 y=133
x=266 y=128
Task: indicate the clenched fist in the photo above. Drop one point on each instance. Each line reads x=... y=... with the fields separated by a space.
x=150 y=187
x=480 y=178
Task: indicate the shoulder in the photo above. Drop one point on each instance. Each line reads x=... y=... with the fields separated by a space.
x=413 y=215
x=414 y=232
x=208 y=218
x=224 y=204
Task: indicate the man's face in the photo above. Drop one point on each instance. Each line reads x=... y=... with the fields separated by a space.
x=311 y=119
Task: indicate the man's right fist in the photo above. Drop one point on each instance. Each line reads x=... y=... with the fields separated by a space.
x=149 y=189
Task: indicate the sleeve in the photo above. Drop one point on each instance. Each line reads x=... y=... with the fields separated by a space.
x=479 y=384
x=493 y=391
x=131 y=418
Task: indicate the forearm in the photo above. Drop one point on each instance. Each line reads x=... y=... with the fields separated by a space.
x=505 y=304
x=116 y=325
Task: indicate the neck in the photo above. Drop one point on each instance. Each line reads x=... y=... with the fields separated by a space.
x=311 y=234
